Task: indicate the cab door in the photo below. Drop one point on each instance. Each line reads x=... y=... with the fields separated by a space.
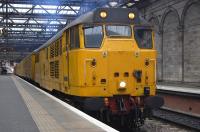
x=95 y=58
x=73 y=57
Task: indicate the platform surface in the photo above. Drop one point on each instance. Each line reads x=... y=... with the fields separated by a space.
x=24 y=108
x=178 y=88
x=14 y=115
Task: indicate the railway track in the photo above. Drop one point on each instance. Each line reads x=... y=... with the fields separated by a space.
x=181 y=106
x=181 y=119
x=179 y=99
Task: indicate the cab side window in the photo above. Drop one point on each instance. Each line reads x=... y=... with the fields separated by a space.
x=143 y=36
x=74 y=38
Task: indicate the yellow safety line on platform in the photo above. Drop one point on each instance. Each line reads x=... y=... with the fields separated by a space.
x=43 y=120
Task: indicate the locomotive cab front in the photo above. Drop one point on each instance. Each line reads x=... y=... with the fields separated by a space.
x=121 y=58
x=114 y=68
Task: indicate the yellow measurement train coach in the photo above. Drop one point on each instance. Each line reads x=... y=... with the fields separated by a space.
x=103 y=61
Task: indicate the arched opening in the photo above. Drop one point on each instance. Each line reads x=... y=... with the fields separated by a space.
x=192 y=43
x=155 y=23
x=172 y=49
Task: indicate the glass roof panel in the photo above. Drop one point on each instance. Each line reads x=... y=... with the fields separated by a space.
x=40 y=11
x=76 y=7
x=67 y=7
x=18 y=21
x=35 y=29
x=71 y=13
x=22 y=10
x=54 y=22
x=36 y=17
x=32 y=22
x=38 y=7
x=49 y=6
x=51 y=11
x=17 y=29
x=42 y=21
x=52 y=30
x=63 y=12
x=22 y=5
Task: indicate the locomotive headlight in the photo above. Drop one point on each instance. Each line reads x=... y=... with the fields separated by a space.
x=103 y=14
x=131 y=15
x=122 y=84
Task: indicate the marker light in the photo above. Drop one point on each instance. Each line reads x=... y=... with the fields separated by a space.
x=103 y=14
x=131 y=15
x=122 y=84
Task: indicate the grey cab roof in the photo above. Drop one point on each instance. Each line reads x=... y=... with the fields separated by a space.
x=93 y=17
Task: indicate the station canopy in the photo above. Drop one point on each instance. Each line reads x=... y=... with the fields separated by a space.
x=26 y=24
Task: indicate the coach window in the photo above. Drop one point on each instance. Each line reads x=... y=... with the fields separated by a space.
x=143 y=36
x=74 y=38
x=93 y=36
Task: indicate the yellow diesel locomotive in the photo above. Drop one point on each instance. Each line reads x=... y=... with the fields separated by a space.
x=103 y=61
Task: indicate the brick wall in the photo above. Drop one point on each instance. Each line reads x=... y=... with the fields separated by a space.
x=177 y=26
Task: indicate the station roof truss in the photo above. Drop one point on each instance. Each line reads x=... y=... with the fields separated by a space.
x=33 y=22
